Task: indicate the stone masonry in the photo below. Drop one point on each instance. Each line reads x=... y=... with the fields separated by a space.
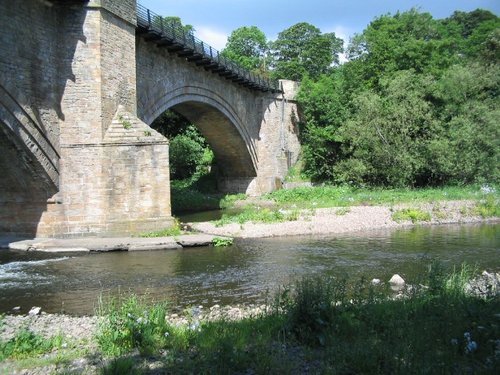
x=78 y=91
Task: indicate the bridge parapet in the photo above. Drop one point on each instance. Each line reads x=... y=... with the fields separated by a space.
x=175 y=39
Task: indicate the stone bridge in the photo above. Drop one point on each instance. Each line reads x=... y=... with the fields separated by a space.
x=80 y=83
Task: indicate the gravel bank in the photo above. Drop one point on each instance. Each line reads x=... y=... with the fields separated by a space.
x=335 y=220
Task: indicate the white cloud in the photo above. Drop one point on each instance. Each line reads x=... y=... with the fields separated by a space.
x=215 y=38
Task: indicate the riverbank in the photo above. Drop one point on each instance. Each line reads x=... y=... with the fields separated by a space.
x=282 y=222
x=336 y=220
x=318 y=325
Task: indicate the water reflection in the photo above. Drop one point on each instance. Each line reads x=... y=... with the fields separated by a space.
x=237 y=274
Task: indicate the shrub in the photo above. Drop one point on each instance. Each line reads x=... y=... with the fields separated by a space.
x=189 y=154
x=222 y=241
x=413 y=214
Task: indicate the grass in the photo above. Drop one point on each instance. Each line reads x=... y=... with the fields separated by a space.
x=256 y=214
x=295 y=173
x=186 y=199
x=489 y=206
x=341 y=196
x=289 y=202
x=198 y=193
x=27 y=344
x=173 y=231
x=414 y=215
x=120 y=366
x=129 y=324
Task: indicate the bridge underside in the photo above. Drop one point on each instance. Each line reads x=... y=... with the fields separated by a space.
x=231 y=153
x=24 y=188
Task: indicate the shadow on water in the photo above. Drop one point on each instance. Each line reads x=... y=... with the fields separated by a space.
x=241 y=273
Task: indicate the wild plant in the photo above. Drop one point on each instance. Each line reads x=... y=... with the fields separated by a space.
x=131 y=323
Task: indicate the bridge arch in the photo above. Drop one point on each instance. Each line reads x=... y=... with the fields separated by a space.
x=233 y=146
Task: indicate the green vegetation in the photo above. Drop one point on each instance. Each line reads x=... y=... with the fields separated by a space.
x=303 y=50
x=120 y=366
x=489 y=206
x=257 y=214
x=414 y=215
x=229 y=200
x=222 y=241
x=342 y=211
x=248 y=47
x=188 y=197
x=333 y=325
x=339 y=196
x=167 y=232
x=130 y=324
x=286 y=204
x=125 y=122
x=28 y=344
x=416 y=105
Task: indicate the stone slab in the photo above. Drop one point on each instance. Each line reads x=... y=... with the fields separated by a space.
x=93 y=244
x=195 y=240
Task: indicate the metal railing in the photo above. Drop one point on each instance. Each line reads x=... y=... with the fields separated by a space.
x=176 y=38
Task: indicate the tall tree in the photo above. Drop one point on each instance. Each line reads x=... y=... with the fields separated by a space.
x=247 y=46
x=303 y=50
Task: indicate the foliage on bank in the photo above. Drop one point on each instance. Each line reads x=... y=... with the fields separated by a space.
x=417 y=104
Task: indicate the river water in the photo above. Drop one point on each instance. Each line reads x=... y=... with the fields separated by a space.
x=242 y=273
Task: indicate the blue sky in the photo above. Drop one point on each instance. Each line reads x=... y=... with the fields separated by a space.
x=214 y=20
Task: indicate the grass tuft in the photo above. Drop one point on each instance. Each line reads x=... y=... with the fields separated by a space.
x=257 y=214
x=489 y=206
x=131 y=323
x=222 y=241
x=175 y=230
x=26 y=344
x=414 y=215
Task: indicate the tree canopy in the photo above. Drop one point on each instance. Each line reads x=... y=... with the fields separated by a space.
x=303 y=50
x=417 y=104
x=248 y=47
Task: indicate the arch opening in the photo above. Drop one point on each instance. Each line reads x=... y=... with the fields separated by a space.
x=233 y=147
x=206 y=150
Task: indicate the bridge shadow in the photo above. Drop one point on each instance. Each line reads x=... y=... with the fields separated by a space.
x=36 y=70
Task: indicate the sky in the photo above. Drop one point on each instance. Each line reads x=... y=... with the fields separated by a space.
x=214 y=20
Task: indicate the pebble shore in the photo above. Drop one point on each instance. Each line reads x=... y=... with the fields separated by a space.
x=335 y=220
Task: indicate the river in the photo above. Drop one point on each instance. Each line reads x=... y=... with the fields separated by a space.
x=246 y=272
